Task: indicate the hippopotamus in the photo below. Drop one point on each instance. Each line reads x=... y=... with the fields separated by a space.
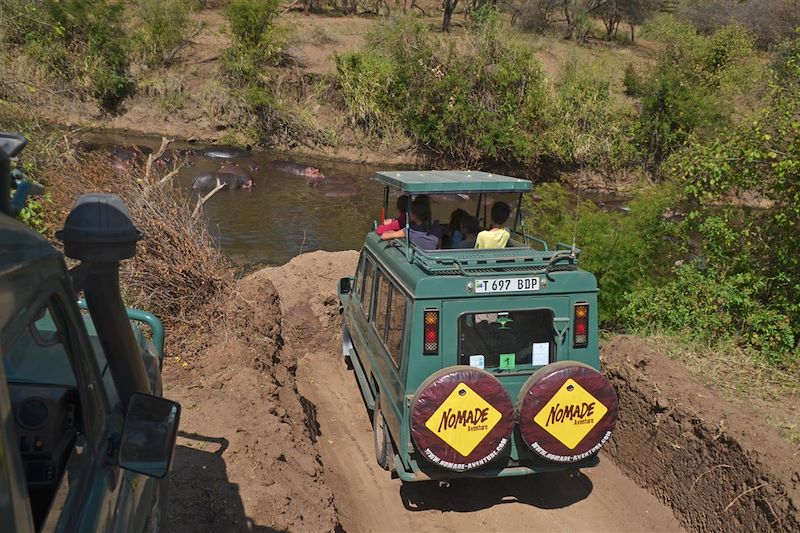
x=125 y=158
x=313 y=175
x=342 y=191
x=224 y=153
x=244 y=168
x=230 y=181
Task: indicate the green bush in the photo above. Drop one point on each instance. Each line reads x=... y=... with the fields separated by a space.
x=632 y=81
x=365 y=82
x=745 y=186
x=161 y=27
x=487 y=103
x=80 y=42
x=624 y=251
x=689 y=92
x=257 y=42
x=592 y=131
x=708 y=306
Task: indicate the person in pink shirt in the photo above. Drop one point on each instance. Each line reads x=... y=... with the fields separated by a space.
x=395 y=224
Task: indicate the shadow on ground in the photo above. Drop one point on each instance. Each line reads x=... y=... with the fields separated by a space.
x=201 y=498
x=551 y=490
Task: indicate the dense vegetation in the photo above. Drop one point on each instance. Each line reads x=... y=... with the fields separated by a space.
x=703 y=129
x=91 y=48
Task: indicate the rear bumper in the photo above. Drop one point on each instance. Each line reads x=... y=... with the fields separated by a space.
x=417 y=474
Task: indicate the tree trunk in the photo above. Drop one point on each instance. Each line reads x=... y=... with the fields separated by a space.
x=632 y=32
x=449 y=8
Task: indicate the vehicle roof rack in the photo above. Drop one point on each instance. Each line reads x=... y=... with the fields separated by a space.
x=451 y=181
x=472 y=262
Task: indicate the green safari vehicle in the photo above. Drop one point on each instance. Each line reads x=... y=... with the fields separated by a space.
x=86 y=438
x=476 y=362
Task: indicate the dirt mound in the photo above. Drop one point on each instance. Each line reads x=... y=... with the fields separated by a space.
x=246 y=455
x=718 y=466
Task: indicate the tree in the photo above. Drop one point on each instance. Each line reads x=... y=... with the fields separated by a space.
x=636 y=12
x=449 y=7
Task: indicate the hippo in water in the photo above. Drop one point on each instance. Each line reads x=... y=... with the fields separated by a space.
x=313 y=175
x=230 y=181
x=224 y=153
x=244 y=168
x=124 y=158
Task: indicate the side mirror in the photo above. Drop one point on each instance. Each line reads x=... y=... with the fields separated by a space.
x=149 y=433
x=345 y=285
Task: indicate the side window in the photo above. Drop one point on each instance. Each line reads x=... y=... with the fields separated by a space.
x=381 y=305
x=39 y=355
x=366 y=291
x=397 y=322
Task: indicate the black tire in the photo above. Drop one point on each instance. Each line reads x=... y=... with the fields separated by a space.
x=383 y=442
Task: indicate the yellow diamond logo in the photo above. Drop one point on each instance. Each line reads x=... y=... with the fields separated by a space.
x=463 y=419
x=570 y=414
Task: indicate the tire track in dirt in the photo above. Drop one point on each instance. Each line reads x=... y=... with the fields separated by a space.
x=367 y=499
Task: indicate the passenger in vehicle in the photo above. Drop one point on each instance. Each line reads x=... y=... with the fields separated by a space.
x=454 y=236
x=422 y=232
x=497 y=236
x=469 y=232
x=394 y=224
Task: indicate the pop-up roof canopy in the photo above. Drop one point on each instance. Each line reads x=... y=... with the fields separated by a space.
x=451 y=181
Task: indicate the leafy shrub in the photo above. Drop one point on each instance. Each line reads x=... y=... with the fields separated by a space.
x=624 y=251
x=162 y=27
x=719 y=307
x=257 y=41
x=79 y=41
x=365 y=83
x=591 y=130
x=753 y=172
x=632 y=81
x=687 y=93
x=487 y=103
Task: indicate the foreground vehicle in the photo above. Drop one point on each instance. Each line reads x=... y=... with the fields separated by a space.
x=86 y=439
x=476 y=363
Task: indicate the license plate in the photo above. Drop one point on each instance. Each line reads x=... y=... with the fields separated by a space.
x=483 y=286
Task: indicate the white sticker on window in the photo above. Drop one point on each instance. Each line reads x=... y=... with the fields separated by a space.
x=476 y=360
x=541 y=353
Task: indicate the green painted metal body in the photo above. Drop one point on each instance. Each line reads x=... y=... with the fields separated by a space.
x=445 y=280
x=94 y=494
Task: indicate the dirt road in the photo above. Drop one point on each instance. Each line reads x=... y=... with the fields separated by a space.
x=600 y=499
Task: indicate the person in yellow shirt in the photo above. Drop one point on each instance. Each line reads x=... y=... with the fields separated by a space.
x=497 y=236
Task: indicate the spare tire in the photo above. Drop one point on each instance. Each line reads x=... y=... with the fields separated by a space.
x=461 y=418
x=567 y=411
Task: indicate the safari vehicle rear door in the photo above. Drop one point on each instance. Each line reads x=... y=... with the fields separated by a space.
x=510 y=335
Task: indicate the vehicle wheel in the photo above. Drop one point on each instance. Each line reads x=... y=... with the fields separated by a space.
x=462 y=418
x=157 y=519
x=381 y=438
x=567 y=412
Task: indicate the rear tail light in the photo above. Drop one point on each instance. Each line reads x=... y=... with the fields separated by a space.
x=430 y=341
x=580 y=338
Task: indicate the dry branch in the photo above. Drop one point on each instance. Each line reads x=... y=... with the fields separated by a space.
x=153 y=157
x=207 y=197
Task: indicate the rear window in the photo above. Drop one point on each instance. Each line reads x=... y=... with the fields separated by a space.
x=506 y=340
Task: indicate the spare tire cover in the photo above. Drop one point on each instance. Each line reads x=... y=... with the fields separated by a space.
x=461 y=418
x=567 y=411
